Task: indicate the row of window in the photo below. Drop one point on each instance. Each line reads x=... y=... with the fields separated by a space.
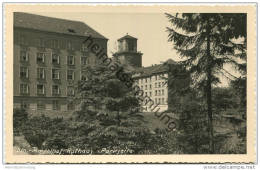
x=42 y=106
x=24 y=89
x=157 y=93
x=156 y=85
x=40 y=58
x=55 y=44
x=147 y=80
x=158 y=101
x=55 y=74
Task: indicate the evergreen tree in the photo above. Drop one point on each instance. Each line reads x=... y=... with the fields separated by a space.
x=206 y=42
x=114 y=122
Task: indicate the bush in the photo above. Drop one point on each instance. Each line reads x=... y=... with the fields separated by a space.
x=20 y=116
x=37 y=130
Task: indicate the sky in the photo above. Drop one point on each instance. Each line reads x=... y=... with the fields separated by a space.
x=149 y=29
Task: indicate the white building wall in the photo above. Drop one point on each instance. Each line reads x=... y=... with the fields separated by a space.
x=154 y=87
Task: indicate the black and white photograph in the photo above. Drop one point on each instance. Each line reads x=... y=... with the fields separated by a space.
x=130 y=83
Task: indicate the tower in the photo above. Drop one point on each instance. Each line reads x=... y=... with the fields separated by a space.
x=127 y=51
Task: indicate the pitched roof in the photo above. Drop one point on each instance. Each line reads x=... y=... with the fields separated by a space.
x=148 y=71
x=127 y=37
x=49 y=24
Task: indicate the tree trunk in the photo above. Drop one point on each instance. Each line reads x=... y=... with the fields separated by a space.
x=118 y=118
x=209 y=95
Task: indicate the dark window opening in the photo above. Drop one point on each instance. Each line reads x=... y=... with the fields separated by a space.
x=71 y=30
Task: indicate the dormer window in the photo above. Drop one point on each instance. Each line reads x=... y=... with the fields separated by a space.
x=71 y=30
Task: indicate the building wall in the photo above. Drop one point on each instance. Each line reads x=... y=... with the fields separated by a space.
x=156 y=88
x=33 y=41
x=127 y=45
x=133 y=59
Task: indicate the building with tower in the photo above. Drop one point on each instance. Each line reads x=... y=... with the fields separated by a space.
x=127 y=53
x=152 y=80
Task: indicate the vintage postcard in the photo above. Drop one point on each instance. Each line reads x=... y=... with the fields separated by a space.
x=133 y=83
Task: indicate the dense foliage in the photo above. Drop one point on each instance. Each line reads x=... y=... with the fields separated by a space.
x=207 y=42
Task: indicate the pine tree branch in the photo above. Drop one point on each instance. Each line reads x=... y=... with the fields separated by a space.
x=181 y=40
x=185 y=23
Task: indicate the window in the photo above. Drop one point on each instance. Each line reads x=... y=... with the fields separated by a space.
x=84 y=60
x=70 y=91
x=83 y=76
x=69 y=45
x=164 y=83
x=159 y=101
x=24 y=72
x=155 y=85
x=40 y=89
x=156 y=100
x=23 y=40
x=24 y=56
x=40 y=42
x=40 y=105
x=162 y=100
x=156 y=77
x=70 y=75
x=131 y=46
x=71 y=106
x=24 y=89
x=150 y=94
x=84 y=47
x=71 y=30
x=155 y=92
x=55 y=105
x=55 y=58
x=145 y=93
x=55 y=74
x=24 y=105
x=40 y=73
x=162 y=92
x=146 y=80
x=55 y=44
x=55 y=90
x=159 y=84
x=145 y=87
x=159 y=92
x=40 y=57
x=150 y=86
x=70 y=60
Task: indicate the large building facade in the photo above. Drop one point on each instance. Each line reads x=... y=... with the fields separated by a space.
x=151 y=80
x=49 y=55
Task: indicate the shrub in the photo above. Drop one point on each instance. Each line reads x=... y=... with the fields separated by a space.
x=37 y=130
x=20 y=116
